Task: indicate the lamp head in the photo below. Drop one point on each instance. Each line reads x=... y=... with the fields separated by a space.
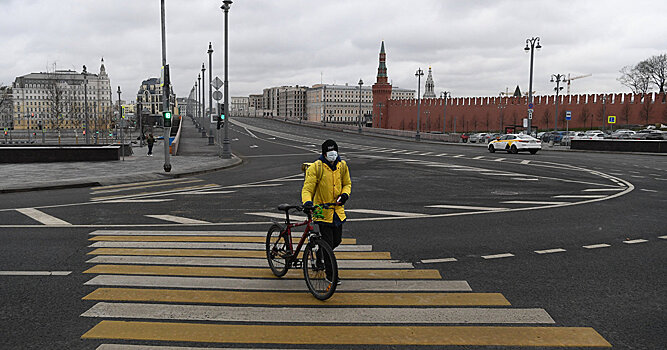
x=361 y=82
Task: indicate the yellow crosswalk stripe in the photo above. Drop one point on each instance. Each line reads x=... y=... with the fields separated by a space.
x=348 y=335
x=243 y=239
x=227 y=253
x=244 y=272
x=292 y=298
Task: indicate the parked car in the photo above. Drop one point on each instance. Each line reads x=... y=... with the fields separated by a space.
x=515 y=143
x=493 y=136
x=641 y=134
x=464 y=138
x=656 y=135
x=622 y=134
x=479 y=137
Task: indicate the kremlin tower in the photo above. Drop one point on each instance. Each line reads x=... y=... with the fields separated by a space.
x=381 y=92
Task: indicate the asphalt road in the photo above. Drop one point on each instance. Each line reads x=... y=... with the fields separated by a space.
x=578 y=235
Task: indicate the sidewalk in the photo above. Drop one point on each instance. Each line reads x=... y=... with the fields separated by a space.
x=194 y=156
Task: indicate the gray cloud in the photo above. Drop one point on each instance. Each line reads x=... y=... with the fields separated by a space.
x=474 y=47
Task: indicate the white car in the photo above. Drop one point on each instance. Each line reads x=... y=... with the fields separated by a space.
x=480 y=137
x=515 y=143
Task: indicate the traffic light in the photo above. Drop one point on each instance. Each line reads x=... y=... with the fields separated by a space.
x=221 y=120
x=167 y=119
x=84 y=132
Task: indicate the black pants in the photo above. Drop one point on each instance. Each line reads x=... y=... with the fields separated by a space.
x=333 y=235
x=150 y=149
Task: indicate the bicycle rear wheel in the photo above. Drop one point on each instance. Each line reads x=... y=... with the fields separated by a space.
x=320 y=269
x=277 y=251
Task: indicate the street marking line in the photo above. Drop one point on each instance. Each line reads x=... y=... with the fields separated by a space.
x=140 y=200
x=478 y=157
x=662 y=237
x=595 y=246
x=226 y=253
x=205 y=192
x=441 y=155
x=177 y=219
x=253 y=185
x=383 y=212
x=203 y=238
x=277 y=215
x=587 y=196
x=154 y=194
x=603 y=189
x=298 y=298
x=647 y=190
x=134 y=184
x=525 y=162
x=499 y=159
x=549 y=251
x=441 y=260
x=183 y=233
x=535 y=202
x=465 y=207
x=458 y=156
x=216 y=245
x=35 y=273
x=153 y=184
x=524 y=179
x=410 y=152
x=277 y=284
x=635 y=241
x=498 y=256
x=424 y=154
x=42 y=217
x=237 y=262
x=348 y=335
x=403 y=315
x=241 y=272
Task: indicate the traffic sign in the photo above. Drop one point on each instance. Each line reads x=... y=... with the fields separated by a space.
x=530 y=106
x=525 y=122
x=217 y=83
x=530 y=114
x=217 y=95
x=611 y=119
x=568 y=115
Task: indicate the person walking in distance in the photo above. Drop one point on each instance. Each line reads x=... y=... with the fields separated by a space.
x=328 y=181
x=150 y=141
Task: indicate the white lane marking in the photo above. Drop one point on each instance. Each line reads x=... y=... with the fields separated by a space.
x=425 y=154
x=635 y=241
x=42 y=217
x=176 y=233
x=498 y=256
x=295 y=179
x=499 y=159
x=155 y=194
x=589 y=196
x=465 y=207
x=502 y=174
x=254 y=185
x=657 y=178
x=638 y=177
x=535 y=202
x=549 y=251
x=662 y=237
x=137 y=184
x=205 y=192
x=214 y=245
x=441 y=155
x=140 y=187
x=478 y=157
x=271 y=138
x=617 y=174
x=525 y=162
x=277 y=284
x=384 y=212
x=595 y=246
x=177 y=219
x=441 y=260
x=323 y=315
x=251 y=134
x=277 y=215
x=236 y=262
x=458 y=156
x=35 y=273
x=410 y=152
x=603 y=189
x=140 y=200
x=647 y=190
x=400 y=151
x=235 y=139
x=253 y=146
x=525 y=179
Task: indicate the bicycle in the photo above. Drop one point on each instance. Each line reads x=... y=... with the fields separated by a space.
x=320 y=269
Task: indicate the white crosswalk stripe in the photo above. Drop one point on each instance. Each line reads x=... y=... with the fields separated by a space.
x=208 y=245
x=42 y=217
x=177 y=219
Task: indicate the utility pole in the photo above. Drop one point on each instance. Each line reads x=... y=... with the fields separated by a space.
x=85 y=103
x=210 y=93
x=418 y=74
x=226 y=146
x=120 y=121
x=165 y=90
x=445 y=95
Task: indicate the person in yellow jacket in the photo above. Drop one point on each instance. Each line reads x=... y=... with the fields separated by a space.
x=328 y=181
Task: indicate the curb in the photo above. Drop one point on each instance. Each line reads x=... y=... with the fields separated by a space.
x=87 y=182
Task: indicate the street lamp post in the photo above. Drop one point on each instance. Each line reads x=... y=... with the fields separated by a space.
x=501 y=107
x=85 y=102
x=361 y=82
x=210 y=92
x=531 y=45
x=203 y=100
x=120 y=121
x=557 y=78
x=419 y=74
x=445 y=95
x=226 y=147
x=165 y=91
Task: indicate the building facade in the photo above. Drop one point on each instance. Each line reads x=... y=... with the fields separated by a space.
x=57 y=100
x=149 y=101
x=338 y=104
x=239 y=106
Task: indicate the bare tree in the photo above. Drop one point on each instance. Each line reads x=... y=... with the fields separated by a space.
x=635 y=78
x=654 y=69
x=546 y=117
x=585 y=114
x=626 y=113
x=647 y=106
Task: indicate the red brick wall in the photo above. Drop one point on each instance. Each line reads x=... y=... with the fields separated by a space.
x=483 y=114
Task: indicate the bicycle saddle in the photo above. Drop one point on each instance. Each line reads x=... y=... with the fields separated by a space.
x=286 y=207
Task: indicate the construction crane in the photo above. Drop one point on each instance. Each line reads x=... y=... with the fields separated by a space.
x=569 y=80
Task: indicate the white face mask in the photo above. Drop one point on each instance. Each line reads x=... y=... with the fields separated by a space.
x=331 y=156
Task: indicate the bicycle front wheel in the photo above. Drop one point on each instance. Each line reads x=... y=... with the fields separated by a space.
x=277 y=251
x=320 y=269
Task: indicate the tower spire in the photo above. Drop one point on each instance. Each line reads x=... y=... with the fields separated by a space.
x=382 y=67
x=430 y=86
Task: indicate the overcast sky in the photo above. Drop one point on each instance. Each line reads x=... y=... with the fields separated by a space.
x=474 y=47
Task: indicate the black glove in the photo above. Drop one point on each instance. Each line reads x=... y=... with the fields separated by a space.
x=343 y=198
x=308 y=206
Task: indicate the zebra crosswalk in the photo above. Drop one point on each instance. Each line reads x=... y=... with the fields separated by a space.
x=151 y=296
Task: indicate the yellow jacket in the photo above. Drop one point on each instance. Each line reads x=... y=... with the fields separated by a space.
x=324 y=185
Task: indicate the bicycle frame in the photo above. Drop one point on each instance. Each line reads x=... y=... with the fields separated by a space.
x=288 y=231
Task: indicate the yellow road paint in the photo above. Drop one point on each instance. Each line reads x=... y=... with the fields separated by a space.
x=199 y=187
x=348 y=335
x=291 y=298
x=222 y=253
x=243 y=239
x=245 y=272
